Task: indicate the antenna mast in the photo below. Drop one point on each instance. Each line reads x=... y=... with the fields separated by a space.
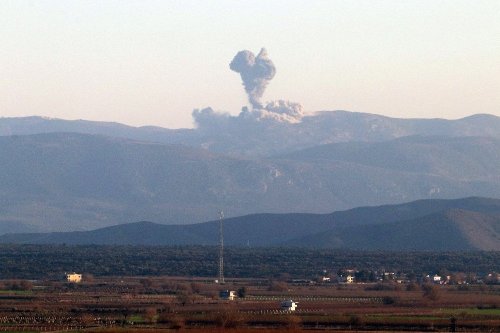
x=221 y=248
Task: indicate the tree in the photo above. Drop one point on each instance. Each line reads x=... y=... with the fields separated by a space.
x=362 y=276
x=150 y=315
x=25 y=285
x=175 y=320
x=228 y=317
x=196 y=287
x=431 y=292
x=292 y=322
x=242 y=292
x=183 y=298
x=278 y=286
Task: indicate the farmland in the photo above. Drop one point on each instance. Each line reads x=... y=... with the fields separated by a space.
x=145 y=289
x=112 y=304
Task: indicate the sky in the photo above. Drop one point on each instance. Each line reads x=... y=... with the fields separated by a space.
x=152 y=62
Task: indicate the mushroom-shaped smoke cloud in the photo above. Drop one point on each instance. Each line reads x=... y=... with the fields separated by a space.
x=256 y=72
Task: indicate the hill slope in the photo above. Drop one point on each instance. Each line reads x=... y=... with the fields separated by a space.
x=455 y=157
x=448 y=230
x=441 y=225
x=241 y=136
x=68 y=181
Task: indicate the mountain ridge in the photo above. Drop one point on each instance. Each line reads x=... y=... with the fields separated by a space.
x=70 y=181
x=448 y=230
x=235 y=135
x=437 y=225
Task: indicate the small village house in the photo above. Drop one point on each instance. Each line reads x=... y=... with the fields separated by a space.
x=227 y=294
x=288 y=305
x=74 y=277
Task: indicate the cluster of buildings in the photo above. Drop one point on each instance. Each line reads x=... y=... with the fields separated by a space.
x=365 y=276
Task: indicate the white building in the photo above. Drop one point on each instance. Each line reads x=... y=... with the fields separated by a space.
x=436 y=279
x=288 y=305
x=73 y=277
x=227 y=294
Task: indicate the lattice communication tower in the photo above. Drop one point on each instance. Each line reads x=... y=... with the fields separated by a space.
x=221 y=248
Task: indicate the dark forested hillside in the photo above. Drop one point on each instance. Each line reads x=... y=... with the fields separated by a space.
x=426 y=225
x=450 y=230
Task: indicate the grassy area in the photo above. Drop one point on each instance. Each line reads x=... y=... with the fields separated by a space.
x=473 y=312
x=400 y=318
x=136 y=319
x=16 y=292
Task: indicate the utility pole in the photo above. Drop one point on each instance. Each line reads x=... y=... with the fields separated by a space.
x=221 y=248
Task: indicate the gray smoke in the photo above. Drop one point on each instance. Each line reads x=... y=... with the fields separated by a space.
x=256 y=72
x=274 y=112
x=284 y=111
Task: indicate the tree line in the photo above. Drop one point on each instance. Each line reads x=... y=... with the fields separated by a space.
x=52 y=261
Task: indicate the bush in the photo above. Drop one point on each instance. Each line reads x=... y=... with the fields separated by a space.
x=228 y=317
x=150 y=315
x=242 y=292
x=431 y=292
x=196 y=287
x=292 y=322
x=355 y=320
x=412 y=287
x=174 y=321
x=18 y=285
x=463 y=287
x=389 y=300
x=381 y=286
x=278 y=286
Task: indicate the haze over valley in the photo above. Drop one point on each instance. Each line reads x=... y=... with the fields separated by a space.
x=273 y=157
x=79 y=175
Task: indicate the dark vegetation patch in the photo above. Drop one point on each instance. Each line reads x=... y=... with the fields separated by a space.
x=50 y=261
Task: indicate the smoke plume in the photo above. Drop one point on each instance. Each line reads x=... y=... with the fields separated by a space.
x=256 y=72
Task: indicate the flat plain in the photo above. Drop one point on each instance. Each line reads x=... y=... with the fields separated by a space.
x=146 y=304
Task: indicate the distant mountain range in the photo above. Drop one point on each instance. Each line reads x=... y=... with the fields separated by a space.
x=438 y=225
x=60 y=175
x=240 y=136
x=71 y=181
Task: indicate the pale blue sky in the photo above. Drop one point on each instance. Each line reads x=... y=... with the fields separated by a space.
x=152 y=62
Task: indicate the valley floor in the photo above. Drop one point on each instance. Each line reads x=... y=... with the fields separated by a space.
x=147 y=304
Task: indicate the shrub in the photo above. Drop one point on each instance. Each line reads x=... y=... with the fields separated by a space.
x=150 y=315
x=278 y=286
x=412 y=287
x=196 y=287
x=431 y=292
x=242 y=292
x=387 y=300
x=380 y=286
x=292 y=322
x=174 y=320
x=228 y=317
x=355 y=320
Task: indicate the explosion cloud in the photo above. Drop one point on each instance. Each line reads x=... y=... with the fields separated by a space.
x=256 y=72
